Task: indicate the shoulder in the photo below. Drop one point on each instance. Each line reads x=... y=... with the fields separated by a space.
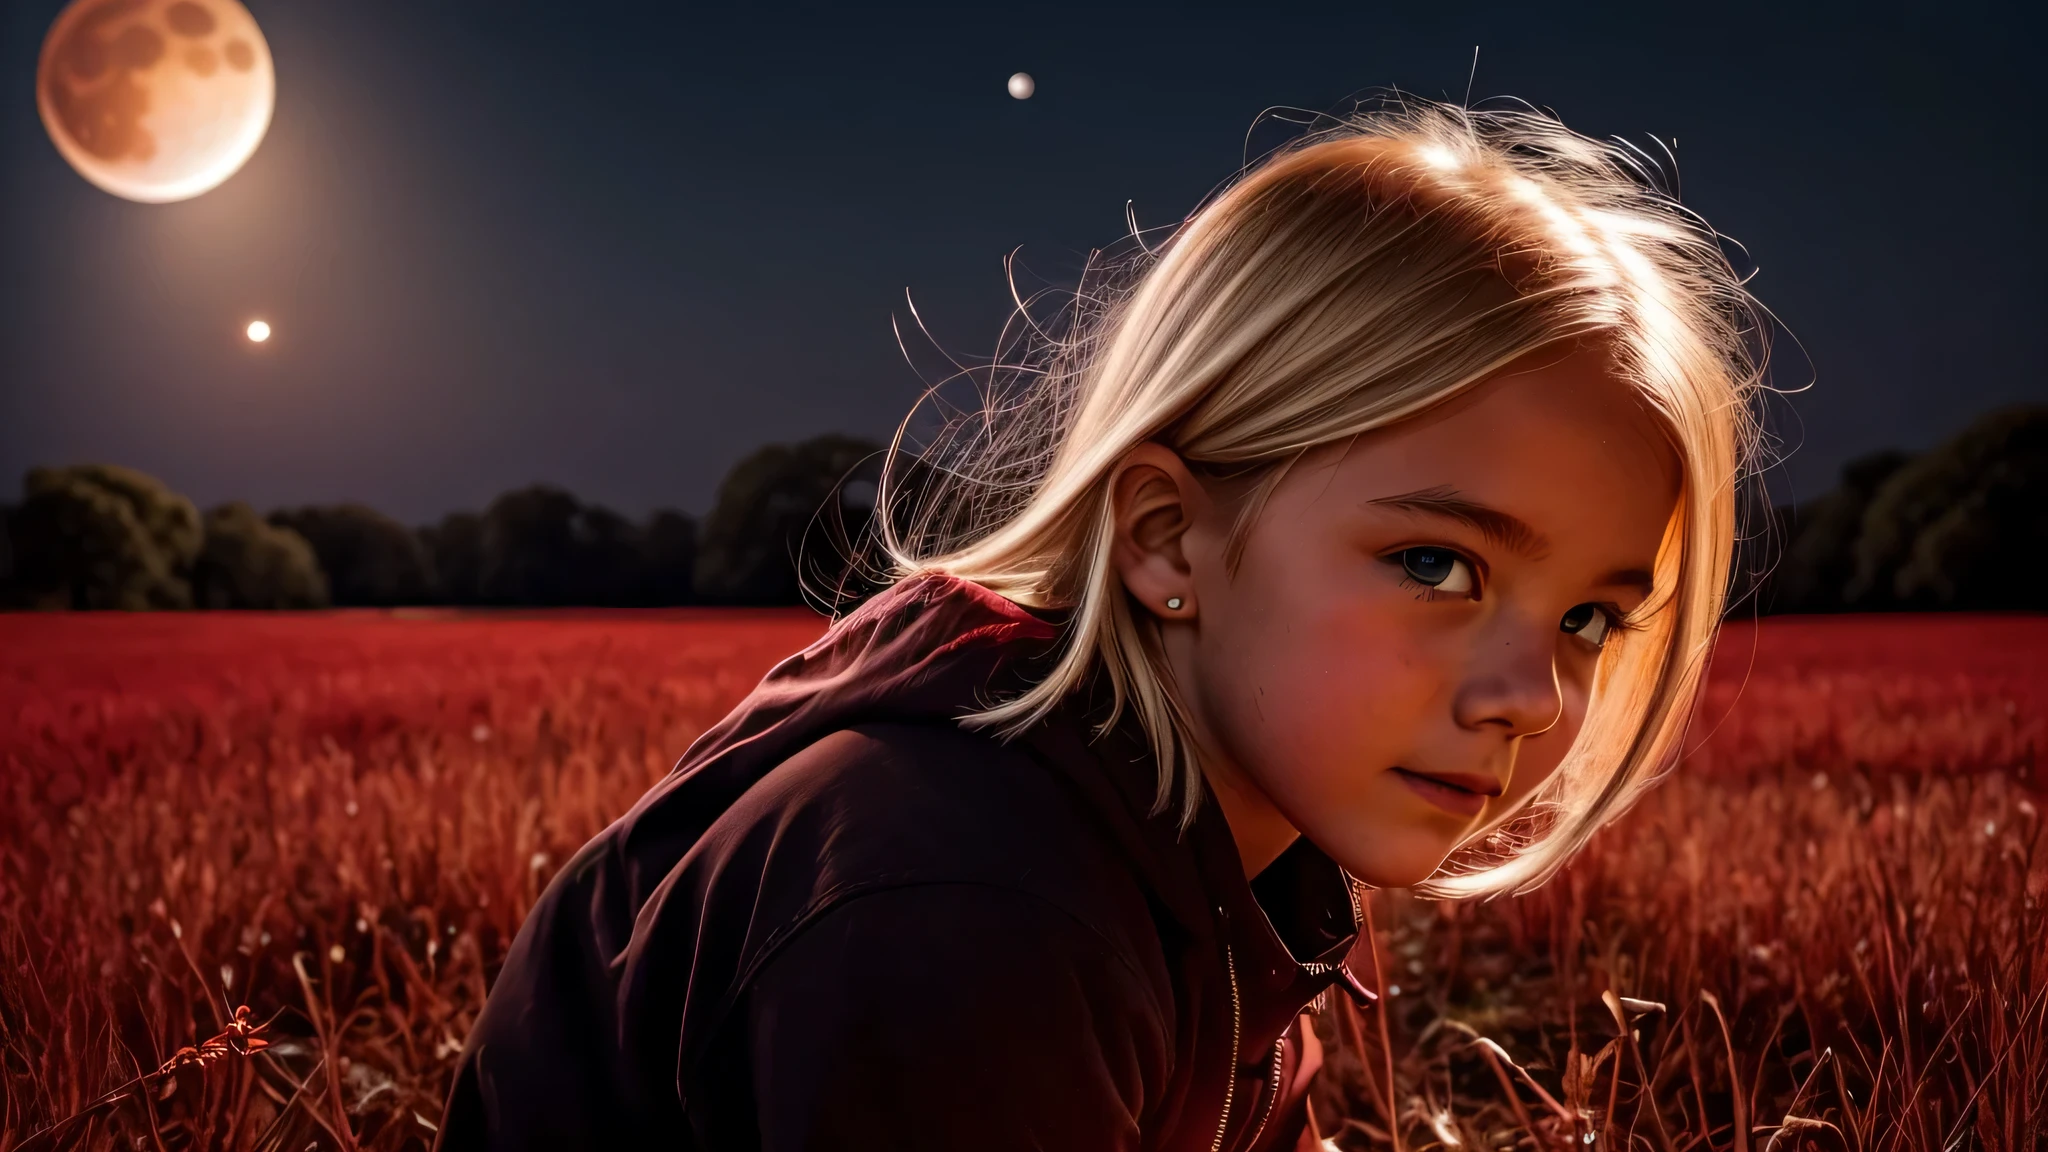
x=947 y=1016
x=926 y=804
x=903 y=804
x=883 y=841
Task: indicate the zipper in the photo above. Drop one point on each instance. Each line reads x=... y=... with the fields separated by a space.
x=1312 y=968
x=1272 y=1090
x=1236 y=1023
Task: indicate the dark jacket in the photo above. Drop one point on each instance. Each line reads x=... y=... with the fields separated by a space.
x=844 y=922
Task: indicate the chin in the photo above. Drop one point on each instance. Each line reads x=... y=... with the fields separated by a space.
x=1383 y=859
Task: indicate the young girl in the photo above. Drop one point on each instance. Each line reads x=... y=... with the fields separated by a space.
x=1376 y=532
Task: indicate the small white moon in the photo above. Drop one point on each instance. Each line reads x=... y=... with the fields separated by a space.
x=1022 y=85
x=258 y=331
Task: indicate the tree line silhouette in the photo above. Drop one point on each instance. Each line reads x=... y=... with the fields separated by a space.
x=100 y=536
x=1961 y=526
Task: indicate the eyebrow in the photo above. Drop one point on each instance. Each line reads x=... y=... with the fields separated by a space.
x=1503 y=529
x=1496 y=526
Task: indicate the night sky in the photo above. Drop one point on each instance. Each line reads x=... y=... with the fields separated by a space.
x=617 y=246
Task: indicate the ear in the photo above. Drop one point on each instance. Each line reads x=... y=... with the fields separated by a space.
x=1154 y=499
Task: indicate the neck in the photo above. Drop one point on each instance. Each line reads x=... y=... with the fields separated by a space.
x=1262 y=833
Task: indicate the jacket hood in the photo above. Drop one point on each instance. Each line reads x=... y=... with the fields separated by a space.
x=934 y=647
x=929 y=647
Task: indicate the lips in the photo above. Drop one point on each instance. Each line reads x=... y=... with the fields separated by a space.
x=1459 y=793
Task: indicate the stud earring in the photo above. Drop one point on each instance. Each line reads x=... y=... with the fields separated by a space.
x=1173 y=602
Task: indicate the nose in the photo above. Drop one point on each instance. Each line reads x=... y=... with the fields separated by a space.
x=1511 y=685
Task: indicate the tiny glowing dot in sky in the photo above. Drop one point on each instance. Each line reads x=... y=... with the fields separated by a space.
x=259 y=331
x=1022 y=86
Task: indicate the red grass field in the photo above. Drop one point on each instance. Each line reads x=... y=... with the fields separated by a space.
x=1827 y=929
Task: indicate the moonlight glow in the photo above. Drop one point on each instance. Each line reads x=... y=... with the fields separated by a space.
x=155 y=100
x=258 y=331
x=1022 y=86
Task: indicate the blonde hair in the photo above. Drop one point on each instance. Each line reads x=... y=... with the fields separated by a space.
x=1350 y=281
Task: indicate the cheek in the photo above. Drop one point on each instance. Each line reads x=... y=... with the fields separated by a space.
x=1316 y=685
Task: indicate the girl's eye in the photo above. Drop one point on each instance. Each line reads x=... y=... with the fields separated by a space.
x=1589 y=622
x=1437 y=569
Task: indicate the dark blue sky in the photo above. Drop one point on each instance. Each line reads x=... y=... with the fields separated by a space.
x=616 y=246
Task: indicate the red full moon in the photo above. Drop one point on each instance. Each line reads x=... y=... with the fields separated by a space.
x=155 y=100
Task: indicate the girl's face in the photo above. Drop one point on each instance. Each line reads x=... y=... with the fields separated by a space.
x=1406 y=649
